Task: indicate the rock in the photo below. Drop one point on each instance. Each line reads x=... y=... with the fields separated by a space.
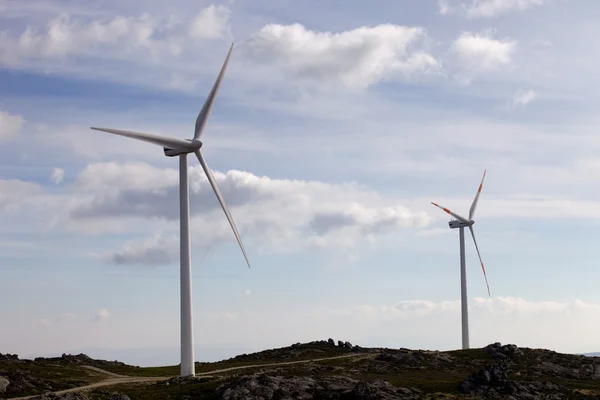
x=378 y=390
x=496 y=350
x=4 y=382
x=67 y=396
x=348 y=345
x=331 y=342
x=9 y=358
x=340 y=343
x=119 y=396
x=267 y=387
x=492 y=382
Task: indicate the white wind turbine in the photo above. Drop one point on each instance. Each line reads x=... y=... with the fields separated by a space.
x=461 y=223
x=181 y=147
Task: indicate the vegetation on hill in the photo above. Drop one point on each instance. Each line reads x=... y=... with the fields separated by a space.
x=324 y=370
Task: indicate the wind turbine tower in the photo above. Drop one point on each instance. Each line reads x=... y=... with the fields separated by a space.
x=182 y=147
x=461 y=223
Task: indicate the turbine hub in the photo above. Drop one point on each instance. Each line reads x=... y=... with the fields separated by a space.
x=196 y=144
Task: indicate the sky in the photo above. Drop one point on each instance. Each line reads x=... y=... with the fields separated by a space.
x=336 y=126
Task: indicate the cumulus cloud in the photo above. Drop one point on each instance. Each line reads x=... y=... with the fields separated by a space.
x=309 y=214
x=480 y=52
x=10 y=125
x=14 y=193
x=57 y=176
x=523 y=97
x=356 y=58
x=156 y=250
x=211 y=22
x=492 y=8
x=117 y=37
x=486 y=8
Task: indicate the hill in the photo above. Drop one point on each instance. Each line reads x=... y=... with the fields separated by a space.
x=316 y=370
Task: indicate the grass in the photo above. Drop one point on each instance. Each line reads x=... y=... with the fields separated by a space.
x=58 y=377
x=303 y=352
x=200 y=389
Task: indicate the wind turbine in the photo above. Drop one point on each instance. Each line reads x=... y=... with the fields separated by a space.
x=181 y=147
x=461 y=223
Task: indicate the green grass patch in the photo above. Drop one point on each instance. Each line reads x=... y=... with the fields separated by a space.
x=201 y=389
x=30 y=378
x=296 y=353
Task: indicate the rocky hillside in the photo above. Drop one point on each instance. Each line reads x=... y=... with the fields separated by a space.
x=321 y=370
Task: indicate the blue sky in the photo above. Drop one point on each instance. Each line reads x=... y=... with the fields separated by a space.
x=333 y=130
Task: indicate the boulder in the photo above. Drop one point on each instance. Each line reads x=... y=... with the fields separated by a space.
x=4 y=382
x=119 y=396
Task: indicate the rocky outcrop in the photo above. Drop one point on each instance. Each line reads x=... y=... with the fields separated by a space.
x=77 y=396
x=4 y=382
x=493 y=382
x=66 y=396
x=496 y=350
x=119 y=396
x=21 y=380
x=9 y=358
x=267 y=387
x=77 y=359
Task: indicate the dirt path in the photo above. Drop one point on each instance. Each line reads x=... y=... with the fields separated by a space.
x=216 y=371
x=105 y=372
x=117 y=379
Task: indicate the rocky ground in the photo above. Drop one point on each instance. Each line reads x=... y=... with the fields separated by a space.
x=493 y=372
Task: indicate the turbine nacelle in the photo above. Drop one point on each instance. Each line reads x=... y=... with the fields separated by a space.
x=460 y=224
x=194 y=145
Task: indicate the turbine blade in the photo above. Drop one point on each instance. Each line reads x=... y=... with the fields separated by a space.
x=207 y=107
x=213 y=183
x=148 y=137
x=481 y=261
x=476 y=199
x=458 y=217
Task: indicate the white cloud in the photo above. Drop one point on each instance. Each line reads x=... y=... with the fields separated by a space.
x=211 y=22
x=101 y=316
x=410 y=309
x=491 y=8
x=310 y=214
x=481 y=52
x=14 y=193
x=503 y=319
x=117 y=37
x=356 y=58
x=57 y=176
x=247 y=292
x=156 y=250
x=523 y=97
x=10 y=125
x=444 y=7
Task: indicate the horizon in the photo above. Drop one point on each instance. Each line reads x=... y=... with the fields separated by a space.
x=330 y=136
x=144 y=359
